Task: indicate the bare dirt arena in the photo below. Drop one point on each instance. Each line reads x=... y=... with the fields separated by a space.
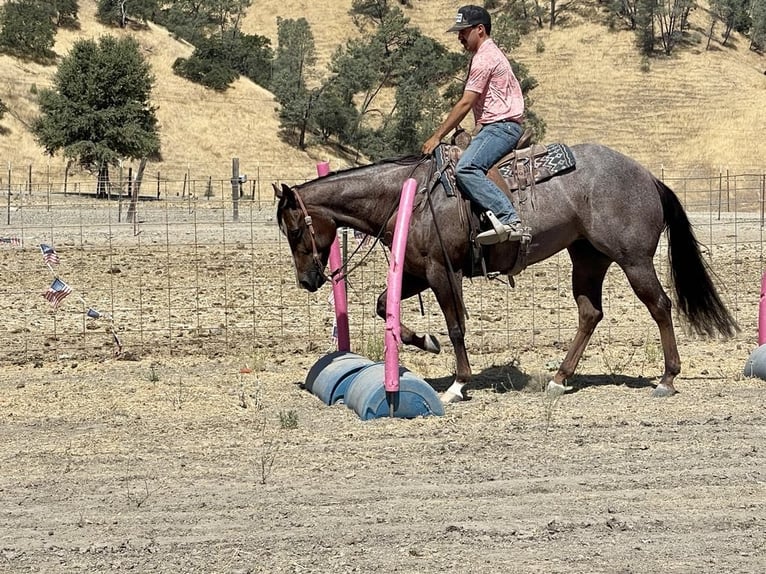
x=197 y=450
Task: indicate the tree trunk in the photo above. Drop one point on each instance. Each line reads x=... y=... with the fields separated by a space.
x=102 y=186
x=133 y=207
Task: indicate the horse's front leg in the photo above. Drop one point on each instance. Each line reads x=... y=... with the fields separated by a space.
x=448 y=289
x=411 y=286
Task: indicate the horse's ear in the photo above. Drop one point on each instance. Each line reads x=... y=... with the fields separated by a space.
x=277 y=190
x=285 y=194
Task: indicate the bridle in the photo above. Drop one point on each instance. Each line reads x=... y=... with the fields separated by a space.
x=312 y=234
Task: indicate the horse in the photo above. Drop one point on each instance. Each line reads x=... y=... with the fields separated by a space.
x=607 y=209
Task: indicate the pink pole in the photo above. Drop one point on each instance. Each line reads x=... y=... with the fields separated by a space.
x=339 y=296
x=323 y=168
x=395 y=271
x=338 y=282
x=762 y=313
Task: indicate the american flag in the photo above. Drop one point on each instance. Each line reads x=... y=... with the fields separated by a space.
x=93 y=314
x=57 y=292
x=12 y=240
x=49 y=254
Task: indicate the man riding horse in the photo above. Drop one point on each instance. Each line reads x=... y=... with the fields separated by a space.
x=494 y=94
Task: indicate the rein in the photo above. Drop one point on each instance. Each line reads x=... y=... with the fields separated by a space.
x=310 y=225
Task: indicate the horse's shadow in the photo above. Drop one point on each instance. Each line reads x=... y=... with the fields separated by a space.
x=508 y=378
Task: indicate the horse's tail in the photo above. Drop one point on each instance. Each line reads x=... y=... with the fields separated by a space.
x=696 y=294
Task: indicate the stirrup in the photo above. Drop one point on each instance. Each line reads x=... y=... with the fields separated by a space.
x=500 y=231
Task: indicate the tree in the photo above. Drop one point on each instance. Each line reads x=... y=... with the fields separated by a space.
x=758 y=26
x=218 y=60
x=98 y=111
x=66 y=13
x=732 y=13
x=121 y=12
x=3 y=111
x=293 y=62
x=27 y=29
x=389 y=55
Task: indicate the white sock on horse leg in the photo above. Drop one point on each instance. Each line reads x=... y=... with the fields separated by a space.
x=456 y=389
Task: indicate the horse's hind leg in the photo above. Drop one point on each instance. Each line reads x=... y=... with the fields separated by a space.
x=589 y=268
x=643 y=278
x=411 y=286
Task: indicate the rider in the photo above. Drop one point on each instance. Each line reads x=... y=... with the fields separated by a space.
x=494 y=94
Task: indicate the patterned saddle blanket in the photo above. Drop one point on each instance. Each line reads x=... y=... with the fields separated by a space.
x=520 y=169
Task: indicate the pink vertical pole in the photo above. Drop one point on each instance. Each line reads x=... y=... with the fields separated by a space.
x=762 y=313
x=338 y=282
x=393 y=299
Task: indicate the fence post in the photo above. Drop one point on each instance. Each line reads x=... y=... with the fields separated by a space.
x=235 y=186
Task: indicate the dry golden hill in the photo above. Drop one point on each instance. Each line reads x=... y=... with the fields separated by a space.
x=201 y=130
x=699 y=110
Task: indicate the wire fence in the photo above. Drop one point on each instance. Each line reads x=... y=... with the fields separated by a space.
x=184 y=276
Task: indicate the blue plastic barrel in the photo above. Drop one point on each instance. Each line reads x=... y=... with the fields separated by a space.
x=331 y=375
x=756 y=363
x=366 y=395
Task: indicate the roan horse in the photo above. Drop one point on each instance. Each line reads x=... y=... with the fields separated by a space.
x=607 y=209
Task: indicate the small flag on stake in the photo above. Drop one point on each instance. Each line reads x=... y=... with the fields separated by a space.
x=11 y=240
x=49 y=254
x=57 y=292
x=93 y=314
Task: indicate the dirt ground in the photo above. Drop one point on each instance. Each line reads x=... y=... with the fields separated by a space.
x=207 y=463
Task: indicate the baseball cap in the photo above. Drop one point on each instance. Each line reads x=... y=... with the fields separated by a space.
x=468 y=16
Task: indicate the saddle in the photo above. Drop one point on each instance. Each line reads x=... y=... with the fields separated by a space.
x=517 y=172
x=525 y=166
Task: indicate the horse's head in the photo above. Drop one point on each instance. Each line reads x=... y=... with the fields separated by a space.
x=310 y=236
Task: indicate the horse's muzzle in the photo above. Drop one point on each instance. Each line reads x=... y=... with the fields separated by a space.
x=311 y=280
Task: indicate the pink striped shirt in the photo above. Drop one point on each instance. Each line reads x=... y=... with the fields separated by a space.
x=491 y=77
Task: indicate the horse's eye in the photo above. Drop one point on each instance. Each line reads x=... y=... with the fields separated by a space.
x=295 y=233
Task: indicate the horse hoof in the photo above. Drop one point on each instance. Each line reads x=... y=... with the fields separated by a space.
x=555 y=389
x=432 y=344
x=448 y=397
x=662 y=390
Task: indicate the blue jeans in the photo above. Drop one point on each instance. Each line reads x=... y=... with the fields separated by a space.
x=492 y=143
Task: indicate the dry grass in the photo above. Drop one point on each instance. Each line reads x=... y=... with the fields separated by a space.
x=700 y=110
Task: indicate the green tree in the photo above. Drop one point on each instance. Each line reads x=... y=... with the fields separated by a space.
x=122 y=12
x=758 y=26
x=389 y=56
x=733 y=14
x=27 y=29
x=218 y=60
x=99 y=110
x=66 y=13
x=294 y=60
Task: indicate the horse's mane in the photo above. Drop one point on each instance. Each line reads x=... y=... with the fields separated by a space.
x=403 y=161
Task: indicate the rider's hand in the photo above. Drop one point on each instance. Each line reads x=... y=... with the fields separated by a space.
x=431 y=144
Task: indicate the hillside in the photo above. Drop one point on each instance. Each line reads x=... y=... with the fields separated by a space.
x=699 y=110
x=696 y=110
x=201 y=130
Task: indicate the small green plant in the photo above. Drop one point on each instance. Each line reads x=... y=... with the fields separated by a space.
x=375 y=348
x=248 y=398
x=177 y=396
x=268 y=452
x=615 y=359
x=288 y=420
x=540 y=46
x=154 y=377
